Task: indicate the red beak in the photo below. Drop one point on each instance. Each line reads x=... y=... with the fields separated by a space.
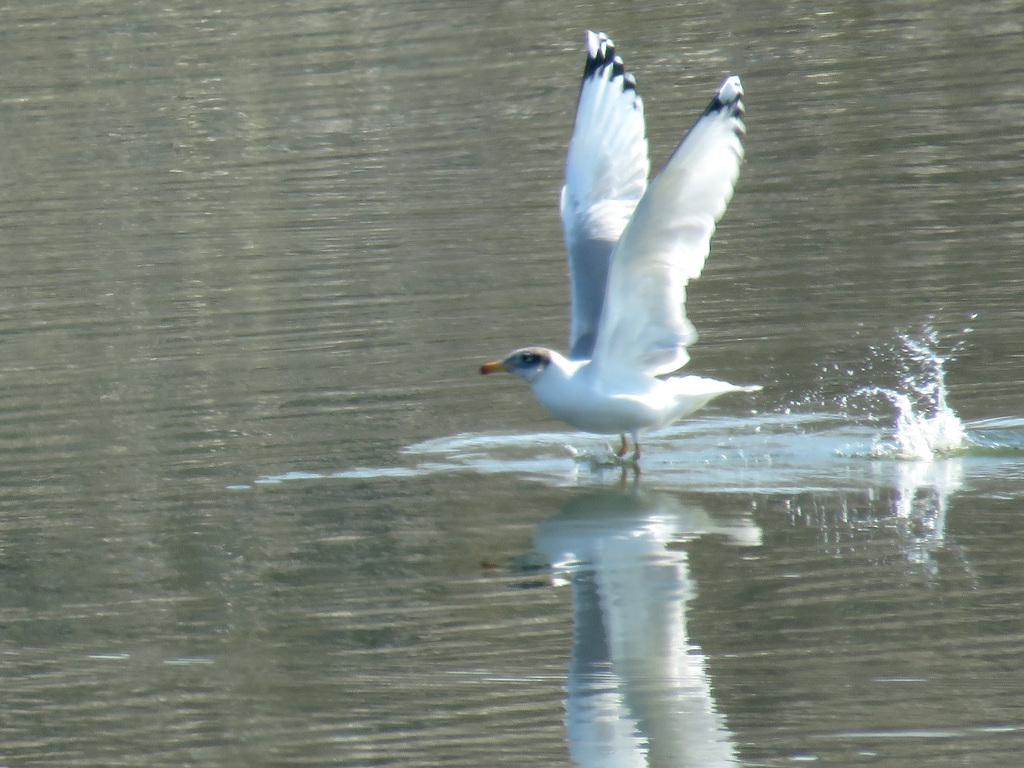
x=495 y=367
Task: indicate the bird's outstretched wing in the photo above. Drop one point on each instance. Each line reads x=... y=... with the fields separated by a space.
x=605 y=176
x=643 y=325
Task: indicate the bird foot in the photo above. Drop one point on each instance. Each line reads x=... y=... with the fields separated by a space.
x=624 y=448
x=627 y=462
x=621 y=458
x=607 y=459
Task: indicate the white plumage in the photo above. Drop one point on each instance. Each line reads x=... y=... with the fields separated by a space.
x=633 y=248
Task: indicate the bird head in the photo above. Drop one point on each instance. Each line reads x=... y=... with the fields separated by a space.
x=527 y=363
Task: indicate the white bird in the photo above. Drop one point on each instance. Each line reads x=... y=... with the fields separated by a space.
x=632 y=249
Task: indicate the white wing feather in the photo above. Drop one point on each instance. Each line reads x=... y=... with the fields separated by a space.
x=643 y=326
x=605 y=176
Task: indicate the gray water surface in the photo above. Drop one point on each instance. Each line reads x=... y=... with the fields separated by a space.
x=258 y=508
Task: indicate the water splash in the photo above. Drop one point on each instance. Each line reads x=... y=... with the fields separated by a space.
x=926 y=427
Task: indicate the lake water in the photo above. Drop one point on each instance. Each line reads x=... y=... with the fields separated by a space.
x=258 y=508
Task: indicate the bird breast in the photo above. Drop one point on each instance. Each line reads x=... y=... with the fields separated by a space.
x=583 y=401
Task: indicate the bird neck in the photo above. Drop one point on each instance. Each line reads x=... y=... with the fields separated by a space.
x=557 y=372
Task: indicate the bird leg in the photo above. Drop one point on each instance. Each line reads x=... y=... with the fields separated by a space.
x=621 y=453
x=624 y=450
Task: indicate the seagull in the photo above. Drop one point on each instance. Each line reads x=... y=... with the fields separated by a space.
x=633 y=247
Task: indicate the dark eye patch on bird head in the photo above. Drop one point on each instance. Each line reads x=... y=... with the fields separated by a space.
x=532 y=358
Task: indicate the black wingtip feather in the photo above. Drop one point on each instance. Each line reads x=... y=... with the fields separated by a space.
x=601 y=53
x=729 y=98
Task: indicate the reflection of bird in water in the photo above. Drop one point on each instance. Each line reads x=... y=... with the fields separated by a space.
x=639 y=692
x=632 y=250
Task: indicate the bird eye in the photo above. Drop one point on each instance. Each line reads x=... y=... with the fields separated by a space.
x=529 y=358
